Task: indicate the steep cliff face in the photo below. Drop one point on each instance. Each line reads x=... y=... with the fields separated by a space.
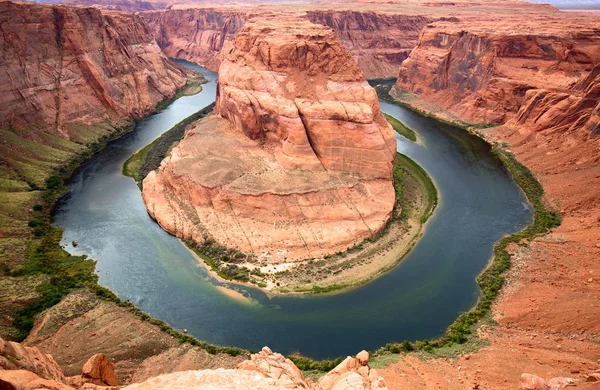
x=576 y=108
x=299 y=162
x=200 y=35
x=482 y=72
x=378 y=41
x=69 y=77
x=538 y=77
x=65 y=65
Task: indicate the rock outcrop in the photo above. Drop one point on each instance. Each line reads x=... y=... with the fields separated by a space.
x=485 y=72
x=26 y=368
x=81 y=66
x=267 y=370
x=298 y=162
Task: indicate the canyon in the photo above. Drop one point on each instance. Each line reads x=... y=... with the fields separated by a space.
x=297 y=137
x=526 y=75
x=379 y=42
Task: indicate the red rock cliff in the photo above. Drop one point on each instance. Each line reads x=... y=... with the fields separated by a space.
x=301 y=164
x=63 y=65
x=378 y=41
x=482 y=72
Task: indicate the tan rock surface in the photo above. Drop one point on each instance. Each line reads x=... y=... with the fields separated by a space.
x=81 y=326
x=15 y=356
x=298 y=165
x=100 y=371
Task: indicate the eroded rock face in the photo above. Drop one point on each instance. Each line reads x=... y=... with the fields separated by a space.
x=378 y=41
x=297 y=164
x=64 y=66
x=14 y=356
x=201 y=35
x=269 y=370
x=485 y=72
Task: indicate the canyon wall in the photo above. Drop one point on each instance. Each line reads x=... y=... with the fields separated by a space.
x=298 y=162
x=200 y=35
x=537 y=77
x=64 y=65
x=70 y=77
x=485 y=72
x=378 y=41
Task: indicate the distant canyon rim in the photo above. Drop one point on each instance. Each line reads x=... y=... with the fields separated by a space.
x=528 y=75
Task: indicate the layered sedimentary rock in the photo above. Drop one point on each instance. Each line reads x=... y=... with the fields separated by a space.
x=298 y=162
x=485 y=72
x=538 y=75
x=64 y=65
x=378 y=41
x=201 y=35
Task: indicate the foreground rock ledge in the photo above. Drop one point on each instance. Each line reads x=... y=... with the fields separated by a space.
x=296 y=163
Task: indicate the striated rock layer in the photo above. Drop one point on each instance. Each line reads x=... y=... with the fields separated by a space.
x=378 y=41
x=65 y=65
x=485 y=72
x=298 y=162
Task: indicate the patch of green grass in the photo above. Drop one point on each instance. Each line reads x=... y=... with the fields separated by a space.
x=401 y=128
x=308 y=364
x=149 y=158
x=406 y=166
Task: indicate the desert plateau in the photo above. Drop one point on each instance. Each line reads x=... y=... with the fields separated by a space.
x=319 y=195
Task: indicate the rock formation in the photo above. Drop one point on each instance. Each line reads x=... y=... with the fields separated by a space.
x=200 y=35
x=378 y=41
x=64 y=66
x=537 y=76
x=298 y=164
x=485 y=72
x=26 y=368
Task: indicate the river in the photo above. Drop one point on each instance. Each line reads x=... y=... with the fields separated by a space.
x=419 y=298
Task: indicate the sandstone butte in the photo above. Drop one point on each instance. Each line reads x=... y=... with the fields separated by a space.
x=296 y=163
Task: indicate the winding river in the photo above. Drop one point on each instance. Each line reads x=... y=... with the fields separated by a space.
x=420 y=298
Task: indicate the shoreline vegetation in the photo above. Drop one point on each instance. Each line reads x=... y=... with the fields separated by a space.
x=401 y=128
x=416 y=199
x=47 y=273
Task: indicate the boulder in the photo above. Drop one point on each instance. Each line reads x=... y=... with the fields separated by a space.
x=100 y=371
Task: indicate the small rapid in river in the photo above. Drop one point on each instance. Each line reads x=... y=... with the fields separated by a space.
x=478 y=203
